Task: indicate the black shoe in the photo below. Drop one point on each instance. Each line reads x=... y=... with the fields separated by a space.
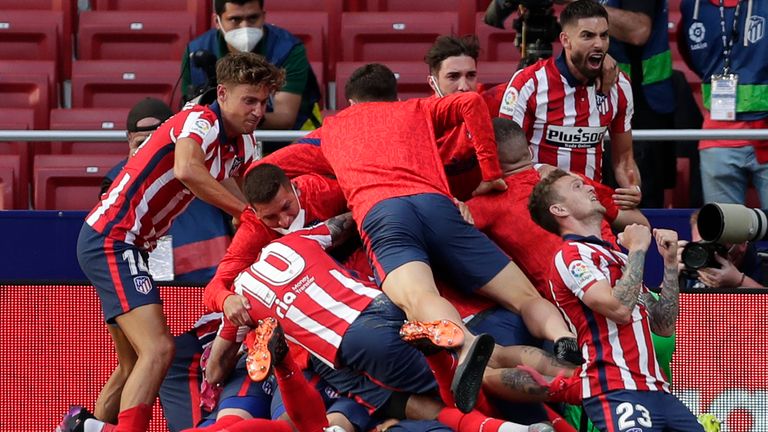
x=74 y=419
x=567 y=350
x=268 y=349
x=469 y=375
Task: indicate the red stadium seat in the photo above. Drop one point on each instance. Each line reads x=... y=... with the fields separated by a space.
x=19 y=119
x=332 y=29
x=411 y=79
x=200 y=10
x=68 y=10
x=31 y=35
x=10 y=169
x=70 y=182
x=121 y=84
x=89 y=119
x=496 y=44
x=393 y=36
x=310 y=27
x=493 y=73
x=119 y=35
x=465 y=8
x=317 y=68
x=29 y=84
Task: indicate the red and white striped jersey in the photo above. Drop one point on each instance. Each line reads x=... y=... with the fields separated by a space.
x=313 y=298
x=145 y=197
x=564 y=120
x=618 y=357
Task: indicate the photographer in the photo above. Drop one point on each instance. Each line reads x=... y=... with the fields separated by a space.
x=739 y=269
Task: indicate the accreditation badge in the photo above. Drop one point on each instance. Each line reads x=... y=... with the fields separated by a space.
x=723 y=103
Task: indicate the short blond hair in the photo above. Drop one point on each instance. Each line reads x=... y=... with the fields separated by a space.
x=249 y=68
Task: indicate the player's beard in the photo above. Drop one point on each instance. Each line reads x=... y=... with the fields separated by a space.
x=581 y=62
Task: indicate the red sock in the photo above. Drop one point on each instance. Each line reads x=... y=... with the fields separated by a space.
x=483 y=405
x=443 y=365
x=303 y=403
x=135 y=419
x=220 y=424
x=262 y=425
x=472 y=422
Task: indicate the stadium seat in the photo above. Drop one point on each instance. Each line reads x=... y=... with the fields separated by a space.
x=393 y=36
x=411 y=79
x=674 y=20
x=127 y=35
x=496 y=44
x=70 y=182
x=29 y=84
x=10 y=168
x=310 y=27
x=68 y=10
x=31 y=35
x=89 y=119
x=465 y=8
x=19 y=119
x=120 y=84
x=493 y=73
x=200 y=10
x=317 y=68
x=332 y=29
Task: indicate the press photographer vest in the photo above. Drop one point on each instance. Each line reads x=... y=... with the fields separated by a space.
x=279 y=43
x=701 y=27
x=656 y=60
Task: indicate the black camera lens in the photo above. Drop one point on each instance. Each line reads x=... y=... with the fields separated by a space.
x=695 y=255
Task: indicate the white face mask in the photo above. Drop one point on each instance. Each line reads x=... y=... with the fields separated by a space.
x=243 y=39
x=435 y=86
x=298 y=221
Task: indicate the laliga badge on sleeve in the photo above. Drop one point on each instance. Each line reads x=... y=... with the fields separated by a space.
x=723 y=103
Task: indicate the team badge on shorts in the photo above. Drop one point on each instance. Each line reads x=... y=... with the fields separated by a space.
x=143 y=284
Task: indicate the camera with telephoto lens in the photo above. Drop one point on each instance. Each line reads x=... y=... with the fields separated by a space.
x=536 y=28
x=697 y=255
x=731 y=223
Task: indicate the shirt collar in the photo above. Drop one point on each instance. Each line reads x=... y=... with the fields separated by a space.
x=588 y=239
x=562 y=67
x=217 y=110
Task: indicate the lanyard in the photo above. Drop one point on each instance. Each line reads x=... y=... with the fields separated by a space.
x=728 y=43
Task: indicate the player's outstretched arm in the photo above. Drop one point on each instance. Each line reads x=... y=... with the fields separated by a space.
x=662 y=312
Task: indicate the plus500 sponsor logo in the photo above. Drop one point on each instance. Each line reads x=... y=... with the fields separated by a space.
x=575 y=136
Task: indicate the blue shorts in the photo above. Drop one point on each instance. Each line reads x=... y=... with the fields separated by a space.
x=119 y=272
x=419 y=426
x=506 y=327
x=429 y=228
x=640 y=411
x=372 y=368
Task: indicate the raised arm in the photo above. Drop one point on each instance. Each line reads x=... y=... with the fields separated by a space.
x=469 y=108
x=663 y=311
x=617 y=302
